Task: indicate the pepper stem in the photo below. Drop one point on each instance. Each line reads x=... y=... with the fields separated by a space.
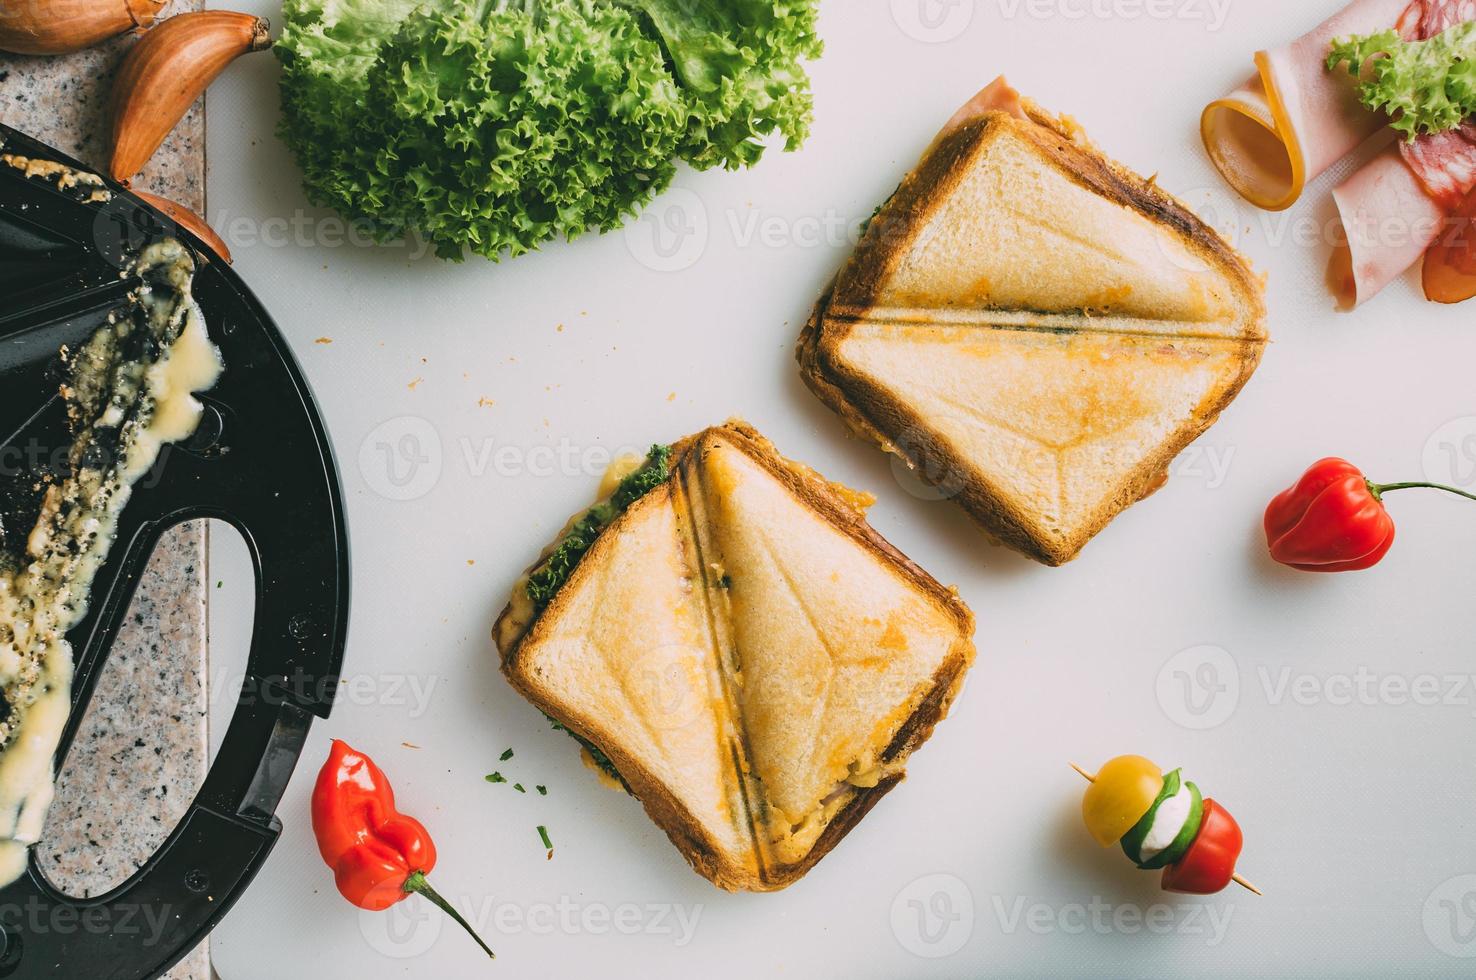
x=1379 y=489
x=417 y=885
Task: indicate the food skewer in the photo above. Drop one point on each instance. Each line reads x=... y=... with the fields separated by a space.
x=1173 y=784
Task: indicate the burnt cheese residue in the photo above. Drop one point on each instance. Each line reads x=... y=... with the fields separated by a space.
x=129 y=390
x=78 y=184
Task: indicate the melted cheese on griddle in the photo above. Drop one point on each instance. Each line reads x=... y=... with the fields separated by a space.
x=129 y=409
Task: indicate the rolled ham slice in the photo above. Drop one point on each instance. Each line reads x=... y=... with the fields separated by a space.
x=1294 y=118
x=1389 y=222
x=997 y=96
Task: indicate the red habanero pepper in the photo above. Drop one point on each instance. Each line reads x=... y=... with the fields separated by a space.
x=1333 y=519
x=378 y=855
x=1209 y=864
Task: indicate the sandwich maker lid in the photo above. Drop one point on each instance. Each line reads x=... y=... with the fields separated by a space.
x=259 y=461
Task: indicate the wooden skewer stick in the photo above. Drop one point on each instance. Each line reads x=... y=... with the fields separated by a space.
x=1238 y=879
x=1246 y=885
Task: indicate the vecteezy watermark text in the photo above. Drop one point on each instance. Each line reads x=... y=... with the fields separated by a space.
x=1211 y=13
x=940 y=21
x=1201 y=688
x=414 y=693
x=1103 y=918
x=404 y=458
x=140 y=923
x=411 y=929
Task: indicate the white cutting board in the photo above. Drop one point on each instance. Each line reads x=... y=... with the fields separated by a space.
x=1358 y=816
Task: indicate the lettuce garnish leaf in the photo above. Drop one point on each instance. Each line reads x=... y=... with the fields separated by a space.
x=1424 y=86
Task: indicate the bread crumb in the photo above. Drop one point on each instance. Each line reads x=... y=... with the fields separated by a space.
x=671 y=397
x=413 y=384
x=485 y=402
x=324 y=340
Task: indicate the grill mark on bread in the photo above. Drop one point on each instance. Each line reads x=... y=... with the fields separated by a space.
x=1027 y=321
x=720 y=631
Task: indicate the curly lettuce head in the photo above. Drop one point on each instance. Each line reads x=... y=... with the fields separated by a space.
x=493 y=127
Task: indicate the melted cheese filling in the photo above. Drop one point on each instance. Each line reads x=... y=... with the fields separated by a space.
x=123 y=411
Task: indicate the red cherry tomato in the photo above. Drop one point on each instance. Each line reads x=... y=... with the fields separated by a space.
x=1209 y=864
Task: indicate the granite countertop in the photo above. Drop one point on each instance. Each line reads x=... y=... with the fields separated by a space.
x=141 y=752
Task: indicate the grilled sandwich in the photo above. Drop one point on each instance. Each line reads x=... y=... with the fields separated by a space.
x=734 y=645
x=1033 y=328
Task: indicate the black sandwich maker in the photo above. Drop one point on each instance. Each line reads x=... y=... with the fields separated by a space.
x=260 y=461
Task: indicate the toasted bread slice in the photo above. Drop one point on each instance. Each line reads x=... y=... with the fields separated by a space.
x=622 y=658
x=798 y=659
x=1036 y=330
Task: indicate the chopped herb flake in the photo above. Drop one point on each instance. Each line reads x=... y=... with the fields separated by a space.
x=496 y=777
x=542 y=790
x=543 y=835
x=519 y=787
x=506 y=755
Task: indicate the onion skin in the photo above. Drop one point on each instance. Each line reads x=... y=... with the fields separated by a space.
x=63 y=26
x=165 y=73
x=188 y=220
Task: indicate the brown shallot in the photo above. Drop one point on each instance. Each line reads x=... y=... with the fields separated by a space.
x=166 y=72
x=61 y=26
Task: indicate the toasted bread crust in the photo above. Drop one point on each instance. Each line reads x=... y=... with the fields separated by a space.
x=876 y=415
x=700 y=851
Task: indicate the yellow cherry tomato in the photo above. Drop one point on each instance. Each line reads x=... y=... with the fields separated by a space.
x=1123 y=791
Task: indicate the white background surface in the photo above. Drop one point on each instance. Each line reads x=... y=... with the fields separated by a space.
x=1356 y=802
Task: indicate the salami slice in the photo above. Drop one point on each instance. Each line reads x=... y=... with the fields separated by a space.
x=1445 y=163
x=1426 y=18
